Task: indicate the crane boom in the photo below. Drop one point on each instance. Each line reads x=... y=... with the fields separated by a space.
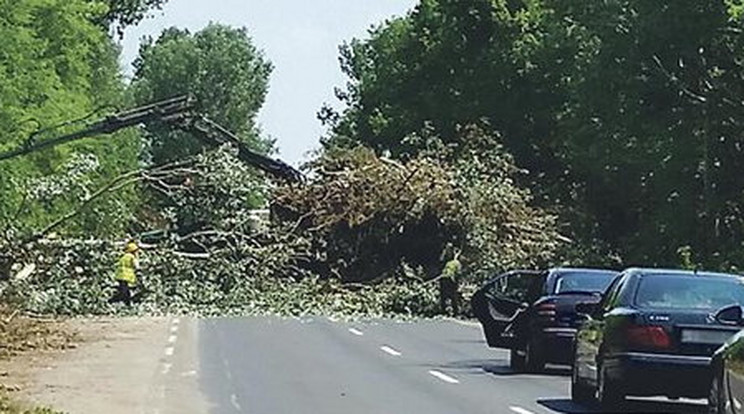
x=178 y=112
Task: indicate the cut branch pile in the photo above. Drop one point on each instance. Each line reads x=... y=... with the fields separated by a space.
x=367 y=216
x=364 y=236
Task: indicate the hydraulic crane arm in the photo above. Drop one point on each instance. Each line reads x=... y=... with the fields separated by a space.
x=178 y=113
x=211 y=132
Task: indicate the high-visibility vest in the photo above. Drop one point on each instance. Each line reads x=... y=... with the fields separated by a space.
x=452 y=269
x=125 y=269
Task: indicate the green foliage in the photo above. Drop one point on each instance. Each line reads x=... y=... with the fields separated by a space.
x=658 y=146
x=216 y=192
x=56 y=66
x=627 y=114
x=123 y=13
x=75 y=277
x=370 y=216
x=219 y=66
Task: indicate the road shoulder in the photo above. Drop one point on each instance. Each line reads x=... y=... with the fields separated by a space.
x=116 y=368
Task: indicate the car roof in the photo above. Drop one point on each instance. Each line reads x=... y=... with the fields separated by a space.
x=677 y=272
x=582 y=270
x=558 y=270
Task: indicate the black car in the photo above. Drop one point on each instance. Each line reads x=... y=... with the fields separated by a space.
x=653 y=333
x=726 y=394
x=532 y=313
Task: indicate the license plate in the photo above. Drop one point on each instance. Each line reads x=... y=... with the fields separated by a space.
x=705 y=336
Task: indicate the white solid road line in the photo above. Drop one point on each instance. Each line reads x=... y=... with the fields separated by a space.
x=390 y=351
x=444 y=377
x=356 y=332
x=520 y=410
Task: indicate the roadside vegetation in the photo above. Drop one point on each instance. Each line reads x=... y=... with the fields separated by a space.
x=20 y=334
x=524 y=134
x=7 y=406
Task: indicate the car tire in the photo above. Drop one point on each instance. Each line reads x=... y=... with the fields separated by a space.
x=516 y=361
x=534 y=360
x=581 y=393
x=609 y=394
x=717 y=396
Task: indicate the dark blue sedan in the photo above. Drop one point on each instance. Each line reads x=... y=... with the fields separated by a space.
x=653 y=333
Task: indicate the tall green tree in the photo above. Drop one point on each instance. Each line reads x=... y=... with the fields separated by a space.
x=626 y=113
x=220 y=67
x=56 y=65
x=652 y=126
x=123 y=13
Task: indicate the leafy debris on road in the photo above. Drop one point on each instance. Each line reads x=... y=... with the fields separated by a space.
x=364 y=236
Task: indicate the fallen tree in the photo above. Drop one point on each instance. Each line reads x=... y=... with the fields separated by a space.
x=364 y=236
x=367 y=215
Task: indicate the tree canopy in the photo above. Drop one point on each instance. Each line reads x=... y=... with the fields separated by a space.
x=123 y=13
x=56 y=65
x=220 y=67
x=626 y=113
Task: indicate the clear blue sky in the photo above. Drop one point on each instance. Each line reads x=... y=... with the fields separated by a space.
x=300 y=37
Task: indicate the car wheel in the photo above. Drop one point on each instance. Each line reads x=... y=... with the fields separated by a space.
x=534 y=358
x=580 y=392
x=516 y=361
x=717 y=396
x=609 y=394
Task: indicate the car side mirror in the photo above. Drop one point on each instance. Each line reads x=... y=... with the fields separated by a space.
x=587 y=308
x=730 y=315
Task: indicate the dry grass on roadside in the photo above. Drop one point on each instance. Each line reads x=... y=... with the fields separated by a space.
x=20 y=334
x=8 y=406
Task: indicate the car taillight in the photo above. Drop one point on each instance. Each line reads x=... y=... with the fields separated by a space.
x=546 y=311
x=648 y=337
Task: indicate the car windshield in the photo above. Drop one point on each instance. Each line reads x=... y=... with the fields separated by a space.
x=583 y=282
x=689 y=292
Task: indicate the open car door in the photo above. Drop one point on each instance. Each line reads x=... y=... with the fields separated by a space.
x=501 y=300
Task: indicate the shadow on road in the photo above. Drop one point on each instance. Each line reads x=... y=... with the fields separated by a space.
x=467 y=341
x=566 y=406
x=504 y=370
x=499 y=367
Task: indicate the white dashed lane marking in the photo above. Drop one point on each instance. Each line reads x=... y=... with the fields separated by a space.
x=356 y=332
x=444 y=377
x=390 y=351
x=520 y=410
x=234 y=402
x=170 y=349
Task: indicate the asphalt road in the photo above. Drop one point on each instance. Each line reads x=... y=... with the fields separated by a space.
x=316 y=365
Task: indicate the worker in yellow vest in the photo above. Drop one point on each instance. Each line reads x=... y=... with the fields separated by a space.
x=126 y=276
x=449 y=281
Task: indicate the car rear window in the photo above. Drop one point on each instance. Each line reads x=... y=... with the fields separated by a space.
x=583 y=282
x=688 y=292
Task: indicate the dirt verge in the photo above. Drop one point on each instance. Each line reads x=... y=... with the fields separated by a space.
x=109 y=368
